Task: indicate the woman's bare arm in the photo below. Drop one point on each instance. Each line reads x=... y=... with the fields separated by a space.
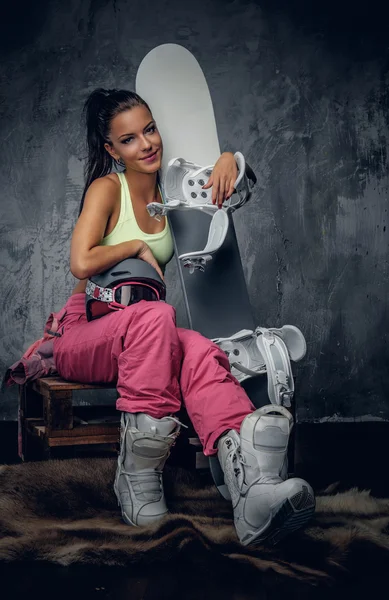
x=87 y=257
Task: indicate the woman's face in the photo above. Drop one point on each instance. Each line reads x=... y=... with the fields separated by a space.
x=135 y=139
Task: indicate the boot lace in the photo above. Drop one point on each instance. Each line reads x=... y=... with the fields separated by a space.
x=241 y=462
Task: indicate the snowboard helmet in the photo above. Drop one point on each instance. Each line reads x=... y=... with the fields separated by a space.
x=126 y=283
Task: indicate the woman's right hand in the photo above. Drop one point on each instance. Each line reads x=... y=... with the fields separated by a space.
x=146 y=254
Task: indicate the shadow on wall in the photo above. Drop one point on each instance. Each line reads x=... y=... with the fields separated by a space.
x=346 y=27
x=21 y=23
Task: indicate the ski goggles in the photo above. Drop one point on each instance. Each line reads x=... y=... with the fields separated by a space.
x=121 y=295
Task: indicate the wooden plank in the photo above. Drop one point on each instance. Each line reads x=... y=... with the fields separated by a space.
x=45 y=385
x=83 y=441
x=58 y=410
x=38 y=427
x=52 y=442
x=86 y=430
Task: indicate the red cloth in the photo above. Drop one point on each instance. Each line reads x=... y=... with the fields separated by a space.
x=38 y=359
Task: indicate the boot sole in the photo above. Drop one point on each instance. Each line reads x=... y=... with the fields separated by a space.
x=287 y=517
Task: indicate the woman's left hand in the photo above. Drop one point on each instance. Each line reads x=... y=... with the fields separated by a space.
x=222 y=179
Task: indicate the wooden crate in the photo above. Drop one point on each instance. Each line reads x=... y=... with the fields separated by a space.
x=48 y=419
x=50 y=425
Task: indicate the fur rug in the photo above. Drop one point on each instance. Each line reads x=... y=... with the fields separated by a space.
x=65 y=513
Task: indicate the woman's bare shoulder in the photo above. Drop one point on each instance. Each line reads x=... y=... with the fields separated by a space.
x=106 y=188
x=112 y=177
x=110 y=181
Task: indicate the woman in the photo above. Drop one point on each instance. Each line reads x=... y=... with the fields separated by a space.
x=155 y=364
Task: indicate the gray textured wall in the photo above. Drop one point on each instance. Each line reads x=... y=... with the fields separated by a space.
x=302 y=92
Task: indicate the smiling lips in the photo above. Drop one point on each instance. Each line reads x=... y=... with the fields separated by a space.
x=150 y=156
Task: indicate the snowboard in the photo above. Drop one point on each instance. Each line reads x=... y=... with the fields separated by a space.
x=173 y=84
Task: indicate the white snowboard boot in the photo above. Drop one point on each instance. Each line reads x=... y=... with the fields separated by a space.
x=145 y=445
x=267 y=506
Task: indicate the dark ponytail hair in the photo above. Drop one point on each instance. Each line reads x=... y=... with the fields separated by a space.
x=99 y=110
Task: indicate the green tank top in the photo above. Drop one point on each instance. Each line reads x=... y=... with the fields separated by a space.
x=126 y=229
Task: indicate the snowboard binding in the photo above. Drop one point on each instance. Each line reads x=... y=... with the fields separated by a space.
x=253 y=353
x=183 y=188
x=259 y=352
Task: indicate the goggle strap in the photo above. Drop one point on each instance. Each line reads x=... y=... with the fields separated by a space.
x=99 y=293
x=108 y=294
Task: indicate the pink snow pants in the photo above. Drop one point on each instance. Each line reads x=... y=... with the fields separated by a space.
x=156 y=365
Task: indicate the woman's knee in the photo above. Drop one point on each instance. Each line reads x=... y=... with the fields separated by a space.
x=157 y=311
x=150 y=315
x=196 y=345
x=193 y=341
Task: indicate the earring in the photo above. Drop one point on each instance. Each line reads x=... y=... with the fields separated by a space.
x=119 y=162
